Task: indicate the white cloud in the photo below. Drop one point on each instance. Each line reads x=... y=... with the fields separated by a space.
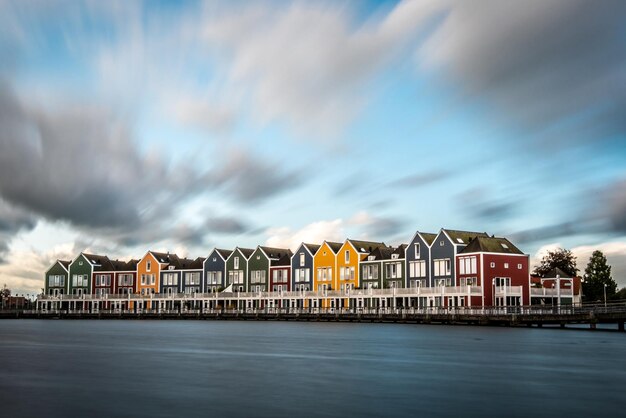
x=314 y=233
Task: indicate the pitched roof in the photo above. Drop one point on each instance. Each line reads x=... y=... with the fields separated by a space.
x=428 y=237
x=379 y=253
x=131 y=265
x=224 y=253
x=247 y=252
x=365 y=246
x=64 y=263
x=491 y=245
x=285 y=260
x=556 y=271
x=100 y=262
x=167 y=258
x=275 y=253
x=334 y=246
x=311 y=247
x=189 y=264
x=463 y=237
x=399 y=250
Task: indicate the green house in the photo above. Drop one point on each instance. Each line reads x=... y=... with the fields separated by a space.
x=56 y=278
x=237 y=269
x=259 y=266
x=81 y=272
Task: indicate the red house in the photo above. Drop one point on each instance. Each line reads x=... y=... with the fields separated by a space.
x=280 y=274
x=125 y=277
x=499 y=268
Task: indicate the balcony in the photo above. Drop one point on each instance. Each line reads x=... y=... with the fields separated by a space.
x=550 y=292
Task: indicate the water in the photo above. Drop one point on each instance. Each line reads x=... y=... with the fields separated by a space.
x=271 y=369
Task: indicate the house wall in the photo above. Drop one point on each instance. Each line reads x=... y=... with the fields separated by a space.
x=243 y=266
x=56 y=270
x=164 y=288
x=519 y=277
x=258 y=262
x=155 y=269
x=439 y=251
x=377 y=282
x=131 y=288
x=424 y=255
x=324 y=258
x=286 y=286
x=400 y=278
x=341 y=262
x=214 y=262
x=83 y=267
x=295 y=265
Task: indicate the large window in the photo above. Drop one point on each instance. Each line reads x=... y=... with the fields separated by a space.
x=442 y=267
x=170 y=279
x=80 y=280
x=502 y=281
x=279 y=276
x=125 y=280
x=346 y=273
x=56 y=280
x=214 y=277
x=103 y=280
x=324 y=273
x=394 y=270
x=192 y=278
x=257 y=276
x=467 y=265
x=235 y=277
x=302 y=275
x=469 y=281
x=417 y=268
x=370 y=272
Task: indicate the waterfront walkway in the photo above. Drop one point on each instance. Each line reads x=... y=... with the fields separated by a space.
x=538 y=316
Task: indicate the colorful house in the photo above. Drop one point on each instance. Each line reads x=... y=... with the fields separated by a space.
x=498 y=267
x=351 y=253
x=417 y=258
x=302 y=267
x=81 y=272
x=191 y=275
x=555 y=288
x=280 y=273
x=149 y=271
x=56 y=278
x=237 y=269
x=125 y=278
x=446 y=245
x=215 y=270
x=259 y=266
x=393 y=268
x=372 y=268
x=325 y=266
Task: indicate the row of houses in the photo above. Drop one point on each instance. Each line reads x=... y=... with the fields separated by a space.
x=450 y=259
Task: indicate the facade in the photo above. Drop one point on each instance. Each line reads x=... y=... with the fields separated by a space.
x=325 y=266
x=81 y=271
x=555 y=288
x=350 y=255
x=191 y=275
x=498 y=267
x=126 y=278
x=418 y=263
x=237 y=269
x=56 y=278
x=302 y=267
x=446 y=245
x=371 y=268
x=149 y=271
x=259 y=267
x=280 y=274
x=394 y=268
x=215 y=270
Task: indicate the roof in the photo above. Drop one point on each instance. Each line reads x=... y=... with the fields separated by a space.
x=365 y=246
x=167 y=258
x=275 y=253
x=380 y=253
x=285 y=260
x=224 y=253
x=100 y=262
x=428 y=237
x=463 y=237
x=189 y=264
x=131 y=265
x=64 y=263
x=491 y=245
x=400 y=250
x=556 y=272
x=247 y=252
x=334 y=246
x=311 y=247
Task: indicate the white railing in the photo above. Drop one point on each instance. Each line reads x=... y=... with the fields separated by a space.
x=544 y=291
x=501 y=291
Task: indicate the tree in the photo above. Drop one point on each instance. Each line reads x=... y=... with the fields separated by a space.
x=598 y=275
x=561 y=258
x=5 y=293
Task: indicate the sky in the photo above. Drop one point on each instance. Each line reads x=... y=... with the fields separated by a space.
x=128 y=126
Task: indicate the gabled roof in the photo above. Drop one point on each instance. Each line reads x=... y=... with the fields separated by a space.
x=462 y=237
x=334 y=246
x=189 y=264
x=482 y=244
x=365 y=247
x=379 y=253
x=428 y=237
x=284 y=261
x=247 y=252
x=556 y=271
x=99 y=262
x=167 y=258
x=64 y=263
x=400 y=250
x=118 y=265
x=275 y=253
x=224 y=253
x=131 y=265
x=311 y=248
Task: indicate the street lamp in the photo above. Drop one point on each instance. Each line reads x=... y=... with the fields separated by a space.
x=604 y=295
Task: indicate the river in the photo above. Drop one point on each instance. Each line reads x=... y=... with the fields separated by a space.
x=153 y=369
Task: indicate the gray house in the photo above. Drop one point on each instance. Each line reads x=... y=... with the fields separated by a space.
x=446 y=245
x=417 y=259
x=302 y=267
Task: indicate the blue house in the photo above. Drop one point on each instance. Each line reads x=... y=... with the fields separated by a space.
x=302 y=267
x=417 y=259
x=215 y=270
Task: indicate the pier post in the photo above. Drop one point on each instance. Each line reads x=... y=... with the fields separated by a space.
x=592 y=325
x=620 y=326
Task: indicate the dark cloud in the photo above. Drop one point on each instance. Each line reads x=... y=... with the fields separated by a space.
x=12 y=221
x=479 y=203
x=557 y=64
x=251 y=178
x=226 y=225
x=385 y=227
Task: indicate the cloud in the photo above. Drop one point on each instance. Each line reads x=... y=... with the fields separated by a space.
x=420 y=179
x=479 y=203
x=555 y=66
x=377 y=227
x=213 y=117
x=12 y=221
x=313 y=233
x=251 y=178
x=226 y=225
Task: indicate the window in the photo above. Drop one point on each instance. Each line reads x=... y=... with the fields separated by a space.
x=235 y=277
x=346 y=273
x=417 y=268
x=324 y=273
x=519 y=266
x=257 y=276
x=301 y=259
x=370 y=258
x=502 y=281
x=56 y=281
x=236 y=263
x=492 y=264
x=214 y=259
x=80 y=263
x=394 y=270
x=148 y=265
x=506 y=265
x=442 y=282
x=80 y=280
x=467 y=265
x=192 y=279
x=370 y=272
x=442 y=267
x=416 y=247
x=347 y=256
x=469 y=281
x=506 y=247
x=394 y=256
x=125 y=280
x=441 y=243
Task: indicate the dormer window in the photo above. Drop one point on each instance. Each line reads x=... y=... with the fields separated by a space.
x=394 y=256
x=347 y=256
x=459 y=240
x=170 y=267
x=506 y=247
x=371 y=258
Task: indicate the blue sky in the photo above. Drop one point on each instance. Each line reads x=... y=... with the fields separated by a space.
x=129 y=126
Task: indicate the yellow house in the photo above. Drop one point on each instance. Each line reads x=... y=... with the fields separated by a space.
x=351 y=253
x=324 y=266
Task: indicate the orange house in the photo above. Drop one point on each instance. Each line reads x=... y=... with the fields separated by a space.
x=324 y=266
x=351 y=253
x=149 y=271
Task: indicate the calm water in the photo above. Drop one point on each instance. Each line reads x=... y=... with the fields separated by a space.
x=269 y=369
